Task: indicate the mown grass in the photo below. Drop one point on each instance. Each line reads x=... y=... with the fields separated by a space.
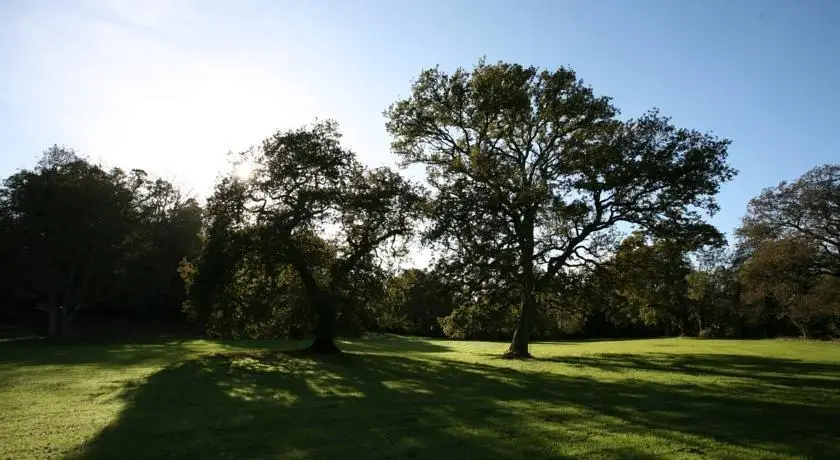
x=413 y=398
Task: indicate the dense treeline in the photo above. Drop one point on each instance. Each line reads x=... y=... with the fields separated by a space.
x=547 y=215
x=80 y=239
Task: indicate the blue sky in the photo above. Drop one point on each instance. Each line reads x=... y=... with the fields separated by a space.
x=171 y=86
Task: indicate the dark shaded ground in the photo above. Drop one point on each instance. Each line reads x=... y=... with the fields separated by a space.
x=292 y=405
x=108 y=352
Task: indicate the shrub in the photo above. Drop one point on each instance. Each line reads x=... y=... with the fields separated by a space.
x=706 y=333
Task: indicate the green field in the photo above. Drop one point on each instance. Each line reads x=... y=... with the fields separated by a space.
x=397 y=397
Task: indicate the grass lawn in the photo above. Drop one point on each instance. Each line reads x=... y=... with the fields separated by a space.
x=414 y=398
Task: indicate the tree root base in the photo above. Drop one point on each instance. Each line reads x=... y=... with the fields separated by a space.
x=516 y=354
x=324 y=347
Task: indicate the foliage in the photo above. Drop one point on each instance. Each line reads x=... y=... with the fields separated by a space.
x=713 y=291
x=646 y=288
x=78 y=237
x=790 y=243
x=651 y=278
x=479 y=319
x=311 y=206
x=550 y=217
x=493 y=315
x=561 y=311
x=807 y=209
x=531 y=170
x=781 y=274
x=415 y=302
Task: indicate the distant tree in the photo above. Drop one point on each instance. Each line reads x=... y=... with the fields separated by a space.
x=531 y=170
x=479 y=318
x=225 y=243
x=415 y=302
x=713 y=293
x=69 y=222
x=562 y=309
x=310 y=205
x=780 y=275
x=789 y=244
x=652 y=279
x=606 y=314
x=166 y=231
x=76 y=235
x=488 y=310
x=807 y=209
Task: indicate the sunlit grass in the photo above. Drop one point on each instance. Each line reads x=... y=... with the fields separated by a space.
x=396 y=397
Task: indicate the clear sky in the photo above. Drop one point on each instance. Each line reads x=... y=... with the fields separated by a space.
x=171 y=86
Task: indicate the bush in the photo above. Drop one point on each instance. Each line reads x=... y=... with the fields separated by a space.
x=706 y=333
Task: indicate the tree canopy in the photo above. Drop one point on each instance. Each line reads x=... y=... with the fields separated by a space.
x=311 y=206
x=77 y=236
x=530 y=171
x=807 y=209
x=790 y=239
x=546 y=214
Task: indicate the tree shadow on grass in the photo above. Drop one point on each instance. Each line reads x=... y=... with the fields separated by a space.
x=293 y=405
x=164 y=350
x=368 y=343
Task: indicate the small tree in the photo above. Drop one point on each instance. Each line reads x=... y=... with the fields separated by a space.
x=531 y=170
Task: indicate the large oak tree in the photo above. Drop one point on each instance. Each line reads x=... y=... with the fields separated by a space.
x=531 y=169
x=314 y=207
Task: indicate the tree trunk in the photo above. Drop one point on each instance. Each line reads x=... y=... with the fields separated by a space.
x=64 y=322
x=324 y=326
x=803 y=329
x=322 y=303
x=323 y=345
x=528 y=301
x=52 y=329
x=522 y=335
